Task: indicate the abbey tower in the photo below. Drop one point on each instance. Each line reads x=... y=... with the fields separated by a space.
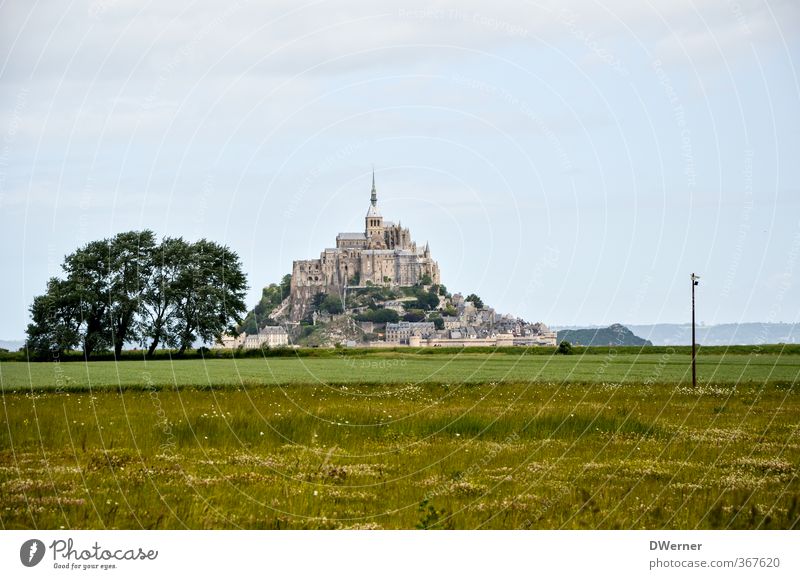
x=383 y=254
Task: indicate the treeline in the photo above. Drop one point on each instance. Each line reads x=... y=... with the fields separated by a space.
x=403 y=352
x=132 y=289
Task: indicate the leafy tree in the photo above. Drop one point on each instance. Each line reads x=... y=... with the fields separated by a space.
x=380 y=316
x=211 y=291
x=450 y=310
x=317 y=300
x=107 y=279
x=442 y=290
x=427 y=300
x=286 y=286
x=87 y=281
x=425 y=280
x=130 y=264
x=476 y=301
x=56 y=321
x=125 y=288
x=331 y=304
x=437 y=320
x=161 y=296
x=414 y=316
x=565 y=348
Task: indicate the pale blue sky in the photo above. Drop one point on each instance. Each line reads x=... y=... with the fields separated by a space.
x=569 y=162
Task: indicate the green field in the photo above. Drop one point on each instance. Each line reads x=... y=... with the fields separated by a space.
x=392 y=367
x=478 y=440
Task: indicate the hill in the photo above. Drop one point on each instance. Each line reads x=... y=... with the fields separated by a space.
x=614 y=335
x=720 y=334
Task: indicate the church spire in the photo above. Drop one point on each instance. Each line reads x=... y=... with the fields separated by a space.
x=374 y=197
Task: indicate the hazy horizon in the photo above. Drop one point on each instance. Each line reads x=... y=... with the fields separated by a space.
x=569 y=163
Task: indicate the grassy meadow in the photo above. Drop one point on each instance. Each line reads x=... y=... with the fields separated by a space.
x=624 y=365
x=473 y=440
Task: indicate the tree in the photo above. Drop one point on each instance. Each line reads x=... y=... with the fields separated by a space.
x=286 y=286
x=425 y=280
x=127 y=288
x=476 y=301
x=87 y=282
x=379 y=316
x=130 y=264
x=331 y=304
x=565 y=348
x=437 y=320
x=160 y=298
x=210 y=292
x=427 y=300
x=56 y=321
x=414 y=316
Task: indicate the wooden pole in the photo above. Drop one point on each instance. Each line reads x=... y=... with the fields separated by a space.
x=694 y=344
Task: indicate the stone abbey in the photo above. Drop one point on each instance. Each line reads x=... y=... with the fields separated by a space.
x=382 y=254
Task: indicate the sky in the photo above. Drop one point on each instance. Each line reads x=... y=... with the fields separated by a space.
x=569 y=162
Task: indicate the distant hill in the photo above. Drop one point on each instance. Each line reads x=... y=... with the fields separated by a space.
x=751 y=333
x=743 y=334
x=614 y=335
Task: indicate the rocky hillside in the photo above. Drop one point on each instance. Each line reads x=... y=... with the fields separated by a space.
x=614 y=335
x=338 y=331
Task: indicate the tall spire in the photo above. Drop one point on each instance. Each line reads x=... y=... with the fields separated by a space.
x=374 y=197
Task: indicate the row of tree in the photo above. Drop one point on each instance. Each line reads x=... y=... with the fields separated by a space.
x=131 y=289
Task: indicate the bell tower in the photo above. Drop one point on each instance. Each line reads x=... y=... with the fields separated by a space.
x=373 y=221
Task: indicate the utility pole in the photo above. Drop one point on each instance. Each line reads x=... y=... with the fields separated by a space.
x=695 y=282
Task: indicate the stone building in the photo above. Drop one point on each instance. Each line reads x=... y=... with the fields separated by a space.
x=269 y=336
x=383 y=254
x=401 y=332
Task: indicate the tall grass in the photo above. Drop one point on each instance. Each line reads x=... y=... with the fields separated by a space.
x=481 y=455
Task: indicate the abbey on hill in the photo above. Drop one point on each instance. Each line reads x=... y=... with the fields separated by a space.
x=377 y=288
x=381 y=255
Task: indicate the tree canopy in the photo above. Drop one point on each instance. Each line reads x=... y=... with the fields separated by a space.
x=476 y=301
x=130 y=289
x=379 y=316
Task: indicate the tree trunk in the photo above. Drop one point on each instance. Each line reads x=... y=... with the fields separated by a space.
x=87 y=348
x=123 y=328
x=185 y=343
x=152 y=348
